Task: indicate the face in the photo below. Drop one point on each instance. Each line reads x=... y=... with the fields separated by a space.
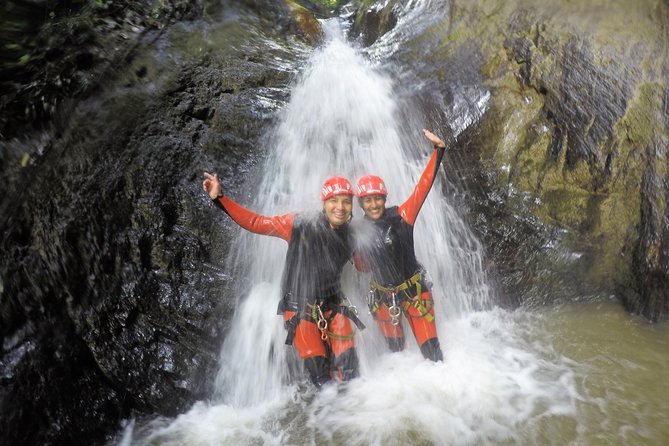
x=373 y=205
x=338 y=209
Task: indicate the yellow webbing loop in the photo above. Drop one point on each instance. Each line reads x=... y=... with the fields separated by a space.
x=413 y=280
x=338 y=337
x=416 y=302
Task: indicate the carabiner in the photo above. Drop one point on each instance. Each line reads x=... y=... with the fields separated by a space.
x=322 y=323
x=370 y=298
x=394 y=311
x=352 y=308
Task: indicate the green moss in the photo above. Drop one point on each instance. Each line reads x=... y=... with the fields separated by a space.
x=597 y=199
x=640 y=123
x=616 y=213
x=532 y=161
x=495 y=64
x=329 y=4
x=579 y=175
x=565 y=205
x=521 y=135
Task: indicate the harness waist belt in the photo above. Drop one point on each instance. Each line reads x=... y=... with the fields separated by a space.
x=413 y=280
x=417 y=303
x=291 y=324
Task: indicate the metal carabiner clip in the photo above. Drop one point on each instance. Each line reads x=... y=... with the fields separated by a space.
x=394 y=311
x=370 y=298
x=352 y=308
x=322 y=323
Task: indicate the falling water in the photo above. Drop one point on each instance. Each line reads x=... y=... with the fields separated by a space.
x=502 y=381
x=342 y=120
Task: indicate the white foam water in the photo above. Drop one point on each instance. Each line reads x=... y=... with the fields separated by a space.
x=496 y=382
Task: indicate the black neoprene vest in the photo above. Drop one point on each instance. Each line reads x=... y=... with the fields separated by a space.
x=314 y=262
x=387 y=245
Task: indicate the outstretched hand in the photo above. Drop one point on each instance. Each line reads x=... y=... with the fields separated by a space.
x=211 y=185
x=434 y=139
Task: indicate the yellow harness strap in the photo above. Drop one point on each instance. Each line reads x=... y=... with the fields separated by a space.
x=322 y=323
x=416 y=302
x=338 y=337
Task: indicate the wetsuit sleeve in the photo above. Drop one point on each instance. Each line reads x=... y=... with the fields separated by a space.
x=411 y=207
x=280 y=226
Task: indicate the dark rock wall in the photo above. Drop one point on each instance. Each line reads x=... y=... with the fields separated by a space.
x=113 y=299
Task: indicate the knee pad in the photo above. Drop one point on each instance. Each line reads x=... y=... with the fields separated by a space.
x=318 y=368
x=347 y=365
x=431 y=350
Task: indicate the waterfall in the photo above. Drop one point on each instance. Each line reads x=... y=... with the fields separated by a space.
x=344 y=118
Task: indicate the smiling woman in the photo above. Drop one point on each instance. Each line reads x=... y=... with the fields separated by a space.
x=385 y=247
x=337 y=201
x=319 y=325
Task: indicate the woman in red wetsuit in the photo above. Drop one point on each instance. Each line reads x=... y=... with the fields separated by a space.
x=385 y=247
x=318 y=323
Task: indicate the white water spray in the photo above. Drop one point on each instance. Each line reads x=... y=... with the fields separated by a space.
x=343 y=120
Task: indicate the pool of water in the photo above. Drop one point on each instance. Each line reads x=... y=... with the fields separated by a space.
x=575 y=374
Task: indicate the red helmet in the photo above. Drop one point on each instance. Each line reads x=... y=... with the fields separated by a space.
x=336 y=186
x=371 y=185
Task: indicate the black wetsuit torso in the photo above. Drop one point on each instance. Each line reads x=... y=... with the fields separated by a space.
x=315 y=258
x=387 y=245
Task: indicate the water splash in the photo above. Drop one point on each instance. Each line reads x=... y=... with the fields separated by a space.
x=492 y=389
x=343 y=118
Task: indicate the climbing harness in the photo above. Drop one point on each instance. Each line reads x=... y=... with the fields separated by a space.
x=389 y=297
x=322 y=312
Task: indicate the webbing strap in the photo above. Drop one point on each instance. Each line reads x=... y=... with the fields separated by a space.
x=291 y=324
x=413 y=280
x=418 y=303
x=338 y=337
x=423 y=309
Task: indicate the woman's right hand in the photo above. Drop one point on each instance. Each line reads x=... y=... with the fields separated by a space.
x=434 y=139
x=211 y=185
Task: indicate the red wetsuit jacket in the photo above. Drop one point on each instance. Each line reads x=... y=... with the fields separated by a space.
x=315 y=257
x=386 y=245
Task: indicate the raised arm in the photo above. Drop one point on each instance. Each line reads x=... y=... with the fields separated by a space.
x=279 y=226
x=411 y=207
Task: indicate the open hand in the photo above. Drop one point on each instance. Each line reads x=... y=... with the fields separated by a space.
x=211 y=185
x=434 y=139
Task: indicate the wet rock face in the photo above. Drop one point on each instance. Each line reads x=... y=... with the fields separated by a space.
x=113 y=297
x=374 y=20
x=568 y=180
